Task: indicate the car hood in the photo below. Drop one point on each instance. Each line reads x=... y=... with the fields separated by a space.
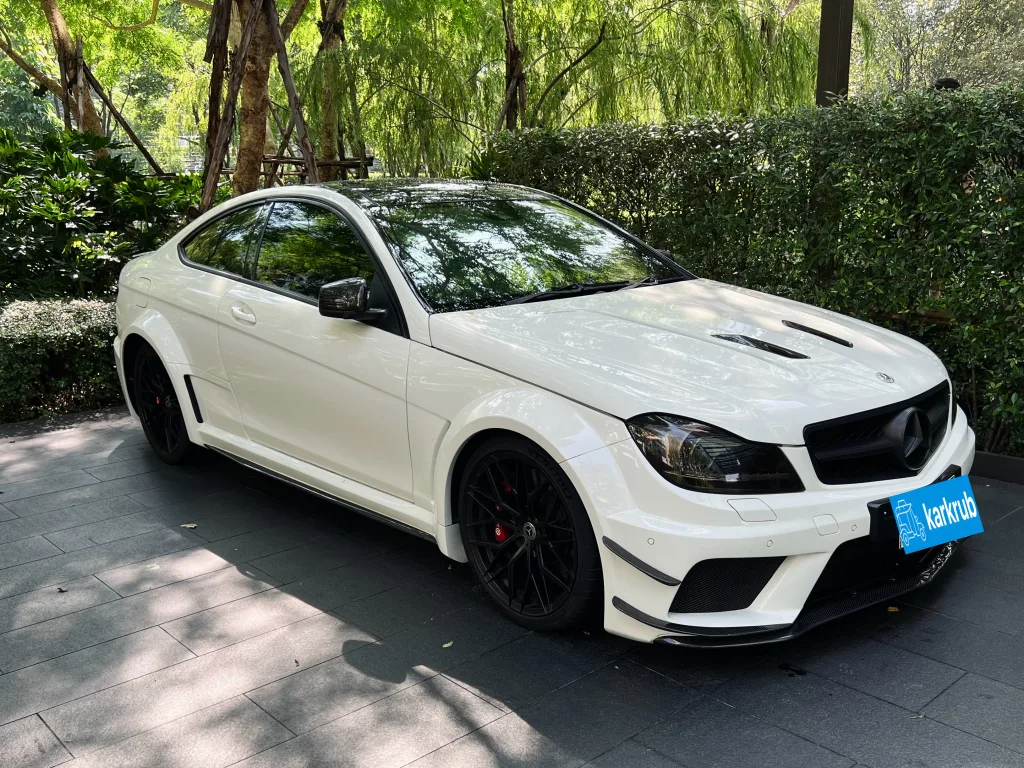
x=653 y=349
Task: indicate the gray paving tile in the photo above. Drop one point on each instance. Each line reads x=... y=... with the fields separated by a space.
x=980 y=604
x=576 y=723
x=712 y=734
x=1002 y=537
x=56 y=570
x=193 y=488
x=85 y=536
x=238 y=620
x=93 y=669
x=50 y=602
x=391 y=732
x=405 y=606
x=857 y=725
x=6 y=514
x=47 y=502
x=144 y=575
x=958 y=643
x=114 y=714
x=524 y=670
x=632 y=754
x=139 y=577
x=49 y=639
x=25 y=551
x=29 y=743
x=242 y=521
x=335 y=688
x=988 y=570
x=215 y=737
x=702 y=670
x=986 y=708
x=509 y=742
x=147 y=461
x=30 y=469
x=334 y=589
x=84 y=514
x=890 y=673
x=316 y=557
x=23 y=489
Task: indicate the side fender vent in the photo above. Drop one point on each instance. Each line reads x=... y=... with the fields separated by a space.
x=816 y=332
x=764 y=346
x=193 y=398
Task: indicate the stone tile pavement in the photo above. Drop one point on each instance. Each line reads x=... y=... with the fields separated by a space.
x=281 y=631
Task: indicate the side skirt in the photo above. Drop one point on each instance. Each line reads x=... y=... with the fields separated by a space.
x=323 y=495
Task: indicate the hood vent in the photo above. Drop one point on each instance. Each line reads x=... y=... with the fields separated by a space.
x=764 y=346
x=816 y=332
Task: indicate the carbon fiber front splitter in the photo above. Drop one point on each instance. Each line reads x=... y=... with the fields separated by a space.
x=814 y=614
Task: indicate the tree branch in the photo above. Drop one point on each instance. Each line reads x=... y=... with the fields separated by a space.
x=292 y=17
x=36 y=74
x=568 y=68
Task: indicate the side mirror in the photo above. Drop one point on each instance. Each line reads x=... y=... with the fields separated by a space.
x=347 y=299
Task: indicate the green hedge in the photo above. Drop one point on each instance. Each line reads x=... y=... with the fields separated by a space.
x=56 y=357
x=73 y=211
x=905 y=211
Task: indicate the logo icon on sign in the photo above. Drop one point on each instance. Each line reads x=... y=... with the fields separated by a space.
x=909 y=524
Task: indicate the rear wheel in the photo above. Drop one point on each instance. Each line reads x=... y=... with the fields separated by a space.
x=528 y=536
x=158 y=408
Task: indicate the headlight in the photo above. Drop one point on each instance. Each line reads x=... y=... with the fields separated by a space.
x=698 y=457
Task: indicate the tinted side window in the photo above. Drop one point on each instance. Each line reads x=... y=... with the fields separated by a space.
x=305 y=246
x=223 y=244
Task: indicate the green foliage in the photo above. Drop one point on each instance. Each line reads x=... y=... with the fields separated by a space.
x=56 y=357
x=906 y=211
x=72 y=211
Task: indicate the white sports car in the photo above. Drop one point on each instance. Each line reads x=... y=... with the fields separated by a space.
x=585 y=422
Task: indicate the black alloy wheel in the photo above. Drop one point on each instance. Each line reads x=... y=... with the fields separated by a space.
x=528 y=536
x=158 y=408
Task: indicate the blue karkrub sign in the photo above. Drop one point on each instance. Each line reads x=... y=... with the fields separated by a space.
x=936 y=514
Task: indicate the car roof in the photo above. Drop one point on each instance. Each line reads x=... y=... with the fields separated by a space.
x=378 y=195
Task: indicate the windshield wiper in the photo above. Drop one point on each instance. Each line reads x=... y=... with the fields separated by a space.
x=565 y=290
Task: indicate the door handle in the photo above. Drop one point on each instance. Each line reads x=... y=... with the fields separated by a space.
x=243 y=314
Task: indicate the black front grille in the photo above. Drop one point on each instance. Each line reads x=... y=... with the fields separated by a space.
x=855 y=449
x=724 y=584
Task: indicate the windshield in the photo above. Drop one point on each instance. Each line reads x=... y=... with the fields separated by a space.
x=479 y=253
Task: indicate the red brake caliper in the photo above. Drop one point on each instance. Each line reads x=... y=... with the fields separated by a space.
x=500 y=534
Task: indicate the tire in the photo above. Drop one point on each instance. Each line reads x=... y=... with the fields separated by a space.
x=159 y=408
x=516 y=504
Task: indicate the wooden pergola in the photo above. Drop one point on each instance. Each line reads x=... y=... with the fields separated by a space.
x=835 y=39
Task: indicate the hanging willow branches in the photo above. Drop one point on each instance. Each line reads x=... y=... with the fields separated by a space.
x=428 y=82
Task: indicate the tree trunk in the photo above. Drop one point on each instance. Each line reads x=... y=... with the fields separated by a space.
x=88 y=118
x=515 y=82
x=255 y=109
x=331 y=14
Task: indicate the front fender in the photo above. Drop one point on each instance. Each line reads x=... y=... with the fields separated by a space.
x=154 y=329
x=562 y=428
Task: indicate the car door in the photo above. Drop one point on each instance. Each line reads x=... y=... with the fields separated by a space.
x=190 y=299
x=327 y=391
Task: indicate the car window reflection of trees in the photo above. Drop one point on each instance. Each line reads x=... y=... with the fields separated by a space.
x=477 y=253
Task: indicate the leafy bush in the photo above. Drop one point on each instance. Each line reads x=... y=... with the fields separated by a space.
x=906 y=211
x=56 y=357
x=72 y=211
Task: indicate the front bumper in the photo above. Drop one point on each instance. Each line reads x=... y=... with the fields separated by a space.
x=656 y=533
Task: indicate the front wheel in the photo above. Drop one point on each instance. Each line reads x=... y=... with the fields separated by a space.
x=528 y=536
x=159 y=409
